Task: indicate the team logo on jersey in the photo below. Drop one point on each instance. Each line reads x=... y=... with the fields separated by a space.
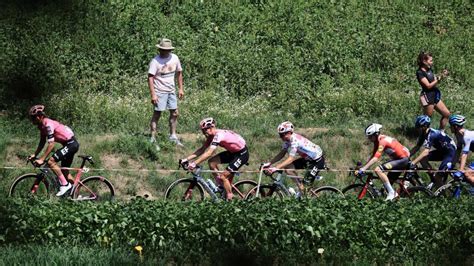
x=388 y=166
x=64 y=150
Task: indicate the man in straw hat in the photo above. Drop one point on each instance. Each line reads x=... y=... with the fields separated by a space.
x=162 y=71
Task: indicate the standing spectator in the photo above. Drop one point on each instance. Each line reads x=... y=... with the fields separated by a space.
x=161 y=81
x=430 y=97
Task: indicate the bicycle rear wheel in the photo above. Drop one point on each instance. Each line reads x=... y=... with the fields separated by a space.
x=354 y=190
x=416 y=192
x=95 y=188
x=265 y=191
x=449 y=191
x=185 y=189
x=325 y=192
x=241 y=188
x=29 y=185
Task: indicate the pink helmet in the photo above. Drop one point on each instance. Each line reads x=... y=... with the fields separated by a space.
x=207 y=123
x=285 y=127
x=36 y=110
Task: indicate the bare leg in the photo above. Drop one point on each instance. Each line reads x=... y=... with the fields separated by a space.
x=428 y=110
x=443 y=110
x=54 y=166
x=173 y=121
x=214 y=166
x=154 y=120
x=225 y=179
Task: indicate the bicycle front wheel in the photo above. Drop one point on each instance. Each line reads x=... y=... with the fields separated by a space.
x=451 y=190
x=185 y=189
x=265 y=191
x=95 y=188
x=356 y=191
x=29 y=185
x=242 y=188
x=325 y=192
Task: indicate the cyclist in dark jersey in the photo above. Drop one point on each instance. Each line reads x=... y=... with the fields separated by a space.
x=437 y=147
x=430 y=97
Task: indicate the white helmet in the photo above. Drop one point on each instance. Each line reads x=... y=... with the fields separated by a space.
x=373 y=129
x=285 y=127
x=207 y=123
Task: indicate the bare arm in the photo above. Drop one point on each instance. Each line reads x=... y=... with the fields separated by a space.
x=278 y=157
x=422 y=155
x=180 y=85
x=286 y=162
x=151 y=86
x=369 y=163
x=208 y=153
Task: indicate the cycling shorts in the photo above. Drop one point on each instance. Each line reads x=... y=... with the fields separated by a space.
x=313 y=166
x=234 y=159
x=65 y=155
x=398 y=164
x=444 y=156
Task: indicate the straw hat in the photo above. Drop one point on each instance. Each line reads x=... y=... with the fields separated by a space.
x=165 y=44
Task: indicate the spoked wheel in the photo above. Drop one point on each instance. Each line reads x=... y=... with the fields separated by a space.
x=450 y=191
x=185 y=189
x=241 y=188
x=354 y=191
x=95 y=188
x=325 y=192
x=29 y=185
x=265 y=191
x=417 y=192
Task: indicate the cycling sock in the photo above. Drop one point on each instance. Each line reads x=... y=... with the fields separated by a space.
x=62 y=180
x=389 y=188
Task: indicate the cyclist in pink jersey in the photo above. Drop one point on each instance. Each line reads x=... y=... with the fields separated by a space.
x=399 y=157
x=310 y=155
x=236 y=153
x=52 y=131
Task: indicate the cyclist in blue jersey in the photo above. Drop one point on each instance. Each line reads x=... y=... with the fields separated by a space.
x=465 y=144
x=437 y=147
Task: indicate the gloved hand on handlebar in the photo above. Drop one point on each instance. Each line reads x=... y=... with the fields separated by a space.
x=191 y=166
x=265 y=165
x=359 y=172
x=412 y=166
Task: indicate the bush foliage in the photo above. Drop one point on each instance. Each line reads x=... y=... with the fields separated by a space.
x=432 y=230
x=314 y=61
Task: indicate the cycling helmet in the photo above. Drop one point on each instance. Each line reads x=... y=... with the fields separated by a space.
x=373 y=129
x=422 y=120
x=36 y=110
x=285 y=127
x=457 y=120
x=207 y=123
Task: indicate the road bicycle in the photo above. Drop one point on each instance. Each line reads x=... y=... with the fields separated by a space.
x=45 y=182
x=406 y=187
x=278 y=189
x=193 y=188
x=457 y=188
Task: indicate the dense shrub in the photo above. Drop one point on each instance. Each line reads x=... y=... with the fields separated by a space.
x=315 y=61
x=283 y=230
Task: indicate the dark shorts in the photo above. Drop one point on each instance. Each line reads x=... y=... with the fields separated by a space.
x=430 y=97
x=65 y=155
x=234 y=159
x=444 y=156
x=313 y=167
x=399 y=164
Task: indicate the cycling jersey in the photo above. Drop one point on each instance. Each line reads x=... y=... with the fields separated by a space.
x=391 y=147
x=227 y=139
x=54 y=131
x=437 y=139
x=303 y=147
x=466 y=142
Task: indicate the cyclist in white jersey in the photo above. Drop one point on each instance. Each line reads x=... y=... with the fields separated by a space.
x=302 y=154
x=236 y=153
x=465 y=144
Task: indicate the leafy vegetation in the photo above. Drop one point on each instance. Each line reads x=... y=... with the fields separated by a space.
x=288 y=231
x=312 y=62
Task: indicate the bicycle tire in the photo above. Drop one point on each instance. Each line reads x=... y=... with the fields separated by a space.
x=177 y=190
x=265 y=191
x=447 y=191
x=22 y=187
x=355 y=190
x=416 y=192
x=241 y=188
x=94 y=188
x=325 y=191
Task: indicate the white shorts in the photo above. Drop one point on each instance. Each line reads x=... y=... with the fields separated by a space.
x=166 y=100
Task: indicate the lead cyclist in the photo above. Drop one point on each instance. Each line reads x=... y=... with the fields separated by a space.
x=465 y=145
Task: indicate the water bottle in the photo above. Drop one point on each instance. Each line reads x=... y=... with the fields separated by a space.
x=319 y=177
x=211 y=185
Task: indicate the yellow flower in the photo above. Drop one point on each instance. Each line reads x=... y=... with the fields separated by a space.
x=139 y=249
